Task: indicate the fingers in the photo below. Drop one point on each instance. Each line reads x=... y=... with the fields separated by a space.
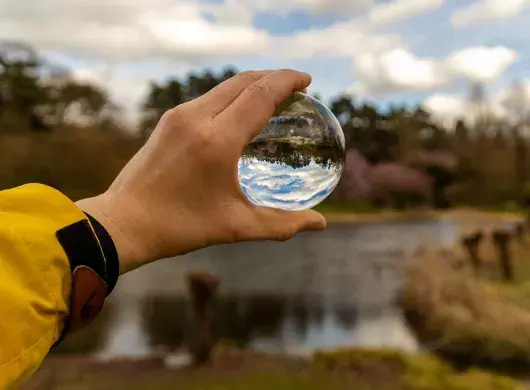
x=253 y=108
x=220 y=97
x=281 y=225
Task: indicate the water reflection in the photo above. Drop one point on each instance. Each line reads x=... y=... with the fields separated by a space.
x=126 y=334
x=319 y=290
x=270 y=321
x=164 y=320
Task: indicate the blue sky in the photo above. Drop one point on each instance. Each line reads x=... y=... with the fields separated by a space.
x=392 y=51
x=282 y=186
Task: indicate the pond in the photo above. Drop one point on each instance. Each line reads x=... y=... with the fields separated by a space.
x=318 y=290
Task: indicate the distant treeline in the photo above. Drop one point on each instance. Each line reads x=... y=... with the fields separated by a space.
x=64 y=132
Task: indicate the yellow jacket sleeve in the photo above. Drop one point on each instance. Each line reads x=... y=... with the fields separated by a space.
x=35 y=277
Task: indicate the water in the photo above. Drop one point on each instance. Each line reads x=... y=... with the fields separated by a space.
x=319 y=290
x=298 y=158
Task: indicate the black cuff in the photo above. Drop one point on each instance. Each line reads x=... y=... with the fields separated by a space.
x=112 y=264
x=95 y=269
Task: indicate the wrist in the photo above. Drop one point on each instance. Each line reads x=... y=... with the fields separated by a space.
x=105 y=211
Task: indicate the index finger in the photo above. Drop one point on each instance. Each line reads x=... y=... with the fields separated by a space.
x=220 y=97
x=255 y=106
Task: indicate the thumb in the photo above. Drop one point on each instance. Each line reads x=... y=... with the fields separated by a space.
x=281 y=225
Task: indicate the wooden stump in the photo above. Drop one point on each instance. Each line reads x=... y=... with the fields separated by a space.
x=502 y=239
x=472 y=245
x=203 y=291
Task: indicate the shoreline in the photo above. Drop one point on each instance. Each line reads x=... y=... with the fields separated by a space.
x=459 y=215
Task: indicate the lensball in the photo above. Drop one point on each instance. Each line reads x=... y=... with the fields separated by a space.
x=297 y=159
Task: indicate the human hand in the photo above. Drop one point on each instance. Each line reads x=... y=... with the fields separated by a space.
x=181 y=192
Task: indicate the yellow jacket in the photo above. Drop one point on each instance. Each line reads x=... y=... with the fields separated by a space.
x=35 y=277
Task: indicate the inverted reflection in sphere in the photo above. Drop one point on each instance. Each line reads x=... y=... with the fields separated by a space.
x=297 y=159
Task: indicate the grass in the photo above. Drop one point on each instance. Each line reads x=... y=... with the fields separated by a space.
x=472 y=321
x=509 y=207
x=398 y=370
x=242 y=370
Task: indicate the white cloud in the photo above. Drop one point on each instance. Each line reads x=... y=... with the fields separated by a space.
x=313 y=6
x=447 y=107
x=231 y=12
x=86 y=75
x=116 y=31
x=397 y=70
x=190 y=36
x=481 y=63
x=125 y=86
x=334 y=6
x=177 y=33
x=400 y=70
x=140 y=29
x=397 y=10
x=346 y=39
x=486 y=10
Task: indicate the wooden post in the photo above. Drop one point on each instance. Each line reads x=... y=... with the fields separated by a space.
x=502 y=240
x=203 y=291
x=472 y=245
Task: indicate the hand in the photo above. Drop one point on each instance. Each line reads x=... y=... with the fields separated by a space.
x=180 y=192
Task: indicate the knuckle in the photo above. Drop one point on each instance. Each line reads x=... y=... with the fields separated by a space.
x=179 y=111
x=173 y=119
x=167 y=123
x=261 y=87
x=168 y=116
x=248 y=74
x=203 y=139
x=174 y=115
x=287 y=70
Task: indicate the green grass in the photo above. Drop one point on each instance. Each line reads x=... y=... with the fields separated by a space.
x=398 y=370
x=508 y=207
x=234 y=369
x=274 y=380
x=244 y=381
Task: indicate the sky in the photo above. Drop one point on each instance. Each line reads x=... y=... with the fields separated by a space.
x=389 y=52
x=286 y=187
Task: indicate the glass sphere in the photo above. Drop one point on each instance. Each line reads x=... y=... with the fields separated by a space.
x=297 y=159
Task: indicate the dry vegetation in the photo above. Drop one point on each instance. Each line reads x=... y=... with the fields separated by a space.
x=472 y=320
x=78 y=161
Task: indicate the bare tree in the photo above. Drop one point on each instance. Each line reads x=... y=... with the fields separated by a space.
x=517 y=103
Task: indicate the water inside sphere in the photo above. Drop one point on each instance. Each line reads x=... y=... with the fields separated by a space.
x=297 y=159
